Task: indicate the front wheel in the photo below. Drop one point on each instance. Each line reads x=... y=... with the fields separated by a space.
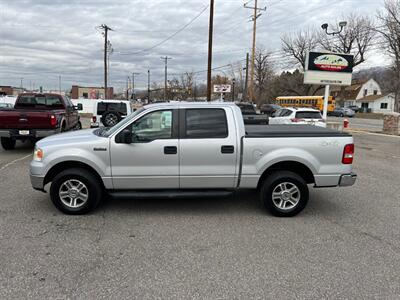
x=284 y=194
x=8 y=143
x=75 y=191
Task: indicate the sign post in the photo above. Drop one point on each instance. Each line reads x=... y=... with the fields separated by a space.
x=328 y=69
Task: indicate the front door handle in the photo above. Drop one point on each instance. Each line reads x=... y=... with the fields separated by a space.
x=170 y=150
x=227 y=149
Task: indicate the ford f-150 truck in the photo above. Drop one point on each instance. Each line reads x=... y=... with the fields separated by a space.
x=36 y=116
x=191 y=149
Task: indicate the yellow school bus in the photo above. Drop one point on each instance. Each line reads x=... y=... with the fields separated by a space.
x=316 y=102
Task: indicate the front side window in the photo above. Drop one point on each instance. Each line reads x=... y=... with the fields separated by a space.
x=153 y=126
x=206 y=123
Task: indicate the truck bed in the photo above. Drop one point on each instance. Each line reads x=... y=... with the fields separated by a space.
x=256 y=131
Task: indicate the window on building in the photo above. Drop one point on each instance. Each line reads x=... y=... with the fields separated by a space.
x=365 y=92
x=375 y=92
x=364 y=105
x=384 y=105
x=85 y=95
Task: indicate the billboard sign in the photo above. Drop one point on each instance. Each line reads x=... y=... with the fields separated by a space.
x=222 y=88
x=328 y=68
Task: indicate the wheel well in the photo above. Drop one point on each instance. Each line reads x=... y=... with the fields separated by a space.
x=58 y=168
x=293 y=166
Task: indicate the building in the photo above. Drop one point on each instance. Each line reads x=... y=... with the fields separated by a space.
x=10 y=90
x=377 y=103
x=90 y=92
x=366 y=94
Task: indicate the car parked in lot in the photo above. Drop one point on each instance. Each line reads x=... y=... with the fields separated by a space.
x=342 y=112
x=191 y=149
x=35 y=116
x=109 y=112
x=354 y=108
x=269 y=109
x=298 y=116
x=250 y=115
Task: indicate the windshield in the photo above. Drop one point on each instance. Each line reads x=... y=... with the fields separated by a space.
x=106 y=132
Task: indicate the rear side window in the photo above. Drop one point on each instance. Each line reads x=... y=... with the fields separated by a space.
x=119 y=107
x=308 y=115
x=40 y=100
x=206 y=123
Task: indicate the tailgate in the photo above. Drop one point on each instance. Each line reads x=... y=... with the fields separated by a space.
x=20 y=119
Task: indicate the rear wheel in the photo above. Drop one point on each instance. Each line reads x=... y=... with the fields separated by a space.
x=341 y=115
x=75 y=191
x=8 y=143
x=284 y=194
x=78 y=126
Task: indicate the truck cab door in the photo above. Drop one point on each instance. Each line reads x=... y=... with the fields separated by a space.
x=151 y=160
x=208 y=148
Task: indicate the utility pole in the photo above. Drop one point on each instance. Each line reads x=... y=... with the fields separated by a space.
x=106 y=29
x=246 y=81
x=148 y=86
x=166 y=72
x=133 y=84
x=253 y=50
x=127 y=87
x=210 y=41
x=22 y=78
x=59 y=83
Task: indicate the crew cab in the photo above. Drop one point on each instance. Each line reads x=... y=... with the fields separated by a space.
x=36 y=116
x=191 y=149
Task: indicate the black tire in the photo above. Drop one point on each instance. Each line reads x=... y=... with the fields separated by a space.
x=272 y=183
x=8 y=143
x=78 y=126
x=341 y=115
x=63 y=127
x=92 y=186
x=110 y=118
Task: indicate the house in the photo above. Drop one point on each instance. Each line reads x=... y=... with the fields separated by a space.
x=366 y=94
x=377 y=103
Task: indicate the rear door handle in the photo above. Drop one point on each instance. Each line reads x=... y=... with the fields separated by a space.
x=227 y=149
x=170 y=150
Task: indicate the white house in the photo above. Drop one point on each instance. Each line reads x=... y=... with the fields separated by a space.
x=366 y=94
x=377 y=103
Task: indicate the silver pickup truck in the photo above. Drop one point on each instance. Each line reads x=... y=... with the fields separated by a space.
x=191 y=149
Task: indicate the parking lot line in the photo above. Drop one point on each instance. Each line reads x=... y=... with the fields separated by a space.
x=14 y=161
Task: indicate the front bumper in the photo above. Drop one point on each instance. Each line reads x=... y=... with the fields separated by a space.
x=24 y=134
x=37 y=182
x=347 y=179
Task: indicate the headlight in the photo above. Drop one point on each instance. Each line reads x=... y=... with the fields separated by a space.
x=38 y=154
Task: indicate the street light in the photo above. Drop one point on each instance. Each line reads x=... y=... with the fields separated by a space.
x=341 y=25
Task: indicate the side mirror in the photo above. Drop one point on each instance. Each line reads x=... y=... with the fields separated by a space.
x=79 y=106
x=124 y=137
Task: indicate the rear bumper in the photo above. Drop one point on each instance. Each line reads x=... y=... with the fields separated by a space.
x=31 y=134
x=348 y=179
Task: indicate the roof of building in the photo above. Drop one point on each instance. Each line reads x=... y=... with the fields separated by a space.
x=371 y=98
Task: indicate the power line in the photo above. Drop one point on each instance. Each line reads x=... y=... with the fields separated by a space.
x=169 y=37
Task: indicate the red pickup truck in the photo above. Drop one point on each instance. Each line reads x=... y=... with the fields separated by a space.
x=36 y=116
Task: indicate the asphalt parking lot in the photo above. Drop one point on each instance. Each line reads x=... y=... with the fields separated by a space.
x=346 y=244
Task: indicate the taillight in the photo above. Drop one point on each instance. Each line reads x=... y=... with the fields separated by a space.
x=296 y=120
x=53 y=120
x=348 y=154
x=94 y=119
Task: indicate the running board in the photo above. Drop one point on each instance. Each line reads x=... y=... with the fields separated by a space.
x=159 y=194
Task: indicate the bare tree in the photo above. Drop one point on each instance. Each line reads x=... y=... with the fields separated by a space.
x=296 y=46
x=389 y=18
x=187 y=85
x=263 y=72
x=354 y=39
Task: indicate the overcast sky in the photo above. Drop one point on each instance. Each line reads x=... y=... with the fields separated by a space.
x=42 y=39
